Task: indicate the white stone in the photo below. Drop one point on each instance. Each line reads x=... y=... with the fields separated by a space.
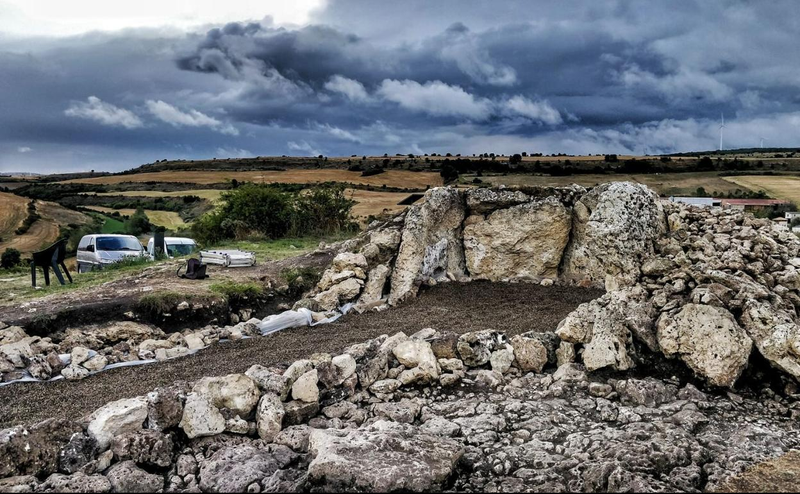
x=117 y=418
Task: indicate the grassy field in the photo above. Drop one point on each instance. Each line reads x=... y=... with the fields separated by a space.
x=15 y=285
x=391 y=178
x=167 y=219
x=212 y=195
x=666 y=184
x=777 y=186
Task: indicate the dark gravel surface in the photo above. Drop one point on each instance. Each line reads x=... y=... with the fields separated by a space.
x=512 y=308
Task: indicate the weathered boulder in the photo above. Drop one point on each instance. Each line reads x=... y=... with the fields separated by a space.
x=200 y=417
x=524 y=241
x=35 y=450
x=709 y=340
x=234 y=468
x=270 y=381
x=614 y=228
x=77 y=482
x=475 y=348
x=305 y=387
x=431 y=245
x=337 y=294
x=269 y=416
x=606 y=325
x=775 y=334
x=144 y=447
x=530 y=353
x=236 y=392
x=417 y=354
x=484 y=200
x=373 y=290
x=116 y=418
x=382 y=457
x=127 y=477
x=165 y=406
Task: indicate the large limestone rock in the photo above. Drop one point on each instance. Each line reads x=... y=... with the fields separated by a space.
x=709 y=340
x=417 y=356
x=200 y=417
x=234 y=468
x=605 y=326
x=524 y=241
x=614 y=228
x=117 y=418
x=269 y=416
x=382 y=457
x=431 y=245
x=775 y=334
x=373 y=290
x=339 y=293
x=236 y=392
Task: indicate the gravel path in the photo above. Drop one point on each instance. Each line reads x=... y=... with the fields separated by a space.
x=512 y=308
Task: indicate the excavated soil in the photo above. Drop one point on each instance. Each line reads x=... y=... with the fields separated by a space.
x=512 y=308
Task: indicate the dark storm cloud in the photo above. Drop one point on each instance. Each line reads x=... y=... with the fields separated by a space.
x=412 y=76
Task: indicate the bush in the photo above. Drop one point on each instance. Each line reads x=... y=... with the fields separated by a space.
x=32 y=218
x=273 y=212
x=11 y=258
x=235 y=292
x=138 y=224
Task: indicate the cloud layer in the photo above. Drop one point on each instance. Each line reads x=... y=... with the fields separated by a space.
x=416 y=76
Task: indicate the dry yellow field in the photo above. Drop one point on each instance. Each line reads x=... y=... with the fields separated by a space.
x=777 y=186
x=375 y=203
x=167 y=219
x=665 y=184
x=391 y=178
x=14 y=210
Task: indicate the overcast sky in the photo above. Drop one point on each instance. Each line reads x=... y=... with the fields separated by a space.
x=96 y=84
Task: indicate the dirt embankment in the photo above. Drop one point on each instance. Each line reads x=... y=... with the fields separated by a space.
x=512 y=308
x=112 y=300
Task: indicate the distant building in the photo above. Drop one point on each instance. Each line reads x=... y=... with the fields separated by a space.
x=695 y=201
x=752 y=204
x=790 y=215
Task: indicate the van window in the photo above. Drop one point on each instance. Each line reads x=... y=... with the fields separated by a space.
x=175 y=250
x=84 y=243
x=118 y=243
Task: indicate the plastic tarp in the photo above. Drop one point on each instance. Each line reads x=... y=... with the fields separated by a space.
x=270 y=324
x=297 y=318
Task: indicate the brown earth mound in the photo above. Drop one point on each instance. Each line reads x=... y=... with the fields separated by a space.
x=512 y=308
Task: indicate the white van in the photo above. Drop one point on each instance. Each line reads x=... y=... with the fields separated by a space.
x=176 y=246
x=96 y=251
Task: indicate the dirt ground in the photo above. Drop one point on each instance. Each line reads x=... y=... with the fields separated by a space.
x=777 y=475
x=512 y=308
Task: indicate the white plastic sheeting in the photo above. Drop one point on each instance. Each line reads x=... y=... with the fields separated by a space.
x=297 y=318
x=270 y=324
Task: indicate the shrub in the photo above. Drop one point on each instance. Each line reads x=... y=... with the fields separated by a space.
x=138 y=224
x=11 y=258
x=300 y=279
x=275 y=212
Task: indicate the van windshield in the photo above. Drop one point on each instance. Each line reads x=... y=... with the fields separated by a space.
x=180 y=249
x=118 y=243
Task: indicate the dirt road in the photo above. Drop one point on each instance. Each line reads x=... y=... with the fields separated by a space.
x=513 y=308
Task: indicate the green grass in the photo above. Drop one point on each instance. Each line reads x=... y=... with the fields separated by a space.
x=110 y=225
x=301 y=279
x=274 y=250
x=20 y=288
x=234 y=291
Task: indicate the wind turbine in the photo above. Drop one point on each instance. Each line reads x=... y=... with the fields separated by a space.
x=721 y=127
x=762 y=142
